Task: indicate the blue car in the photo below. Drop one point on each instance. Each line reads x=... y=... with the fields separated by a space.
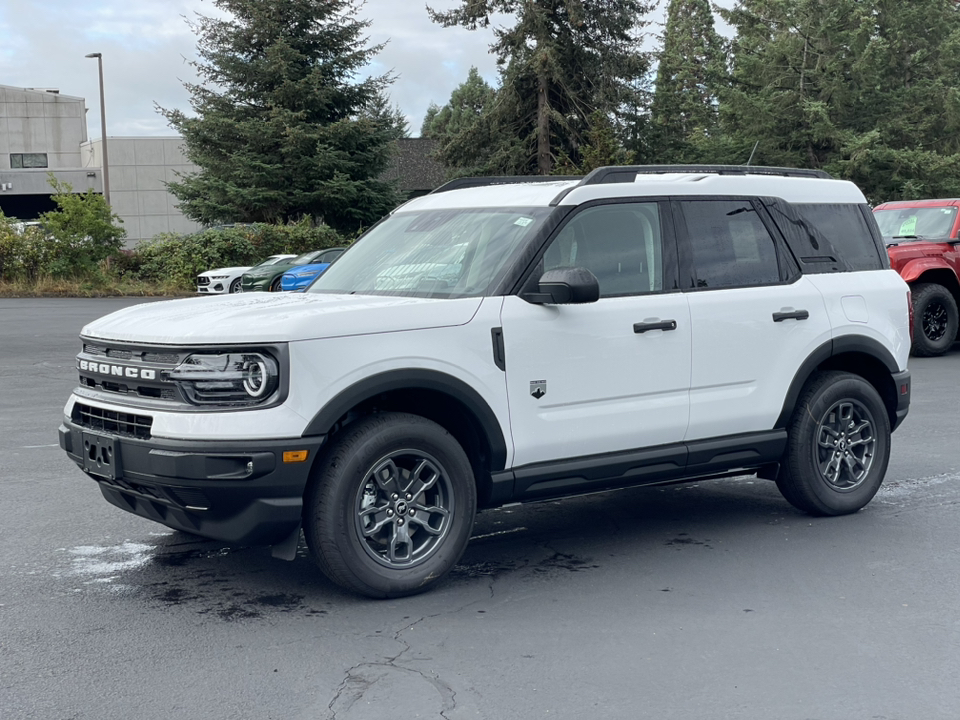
x=297 y=278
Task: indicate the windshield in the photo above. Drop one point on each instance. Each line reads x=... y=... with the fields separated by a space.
x=270 y=261
x=934 y=222
x=306 y=258
x=433 y=253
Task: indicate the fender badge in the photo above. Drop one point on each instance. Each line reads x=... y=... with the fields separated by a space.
x=538 y=388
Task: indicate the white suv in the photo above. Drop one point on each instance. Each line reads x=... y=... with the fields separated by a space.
x=507 y=340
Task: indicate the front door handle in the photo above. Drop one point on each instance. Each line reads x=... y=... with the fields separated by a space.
x=793 y=315
x=640 y=328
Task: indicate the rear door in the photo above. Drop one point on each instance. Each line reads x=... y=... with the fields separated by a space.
x=754 y=317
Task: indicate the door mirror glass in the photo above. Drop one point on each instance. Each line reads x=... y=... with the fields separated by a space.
x=566 y=286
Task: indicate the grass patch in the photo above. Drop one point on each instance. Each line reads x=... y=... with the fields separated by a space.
x=90 y=288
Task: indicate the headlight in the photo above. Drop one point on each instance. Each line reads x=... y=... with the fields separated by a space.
x=308 y=273
x=227 y=379
x=219 y=277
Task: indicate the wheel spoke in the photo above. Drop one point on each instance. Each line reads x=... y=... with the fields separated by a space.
x=828 y=442
x=387 y=476
x=423 y=477
x=380 y=518
x=425 y=524
x=400 y=538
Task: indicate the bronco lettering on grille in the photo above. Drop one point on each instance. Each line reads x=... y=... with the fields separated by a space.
x=116 y=370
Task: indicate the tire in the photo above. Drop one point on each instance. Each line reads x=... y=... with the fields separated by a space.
x=813 y=477
x=935 y=319
x=356 y=525
x=235 y=286
x=275 y=286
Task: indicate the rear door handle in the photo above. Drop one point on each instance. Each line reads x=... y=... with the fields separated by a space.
x=640 y=328
x=793 y=315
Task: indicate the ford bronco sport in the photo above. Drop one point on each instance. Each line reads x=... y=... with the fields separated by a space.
x=511 y=340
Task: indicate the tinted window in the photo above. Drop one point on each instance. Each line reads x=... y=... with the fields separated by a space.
x=620 y=244
x=845 y=229
x=731 y=246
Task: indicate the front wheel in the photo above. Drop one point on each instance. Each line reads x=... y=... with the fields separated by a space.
x=935 y=319
x=276 y=285
x=838 y=446
x=235 y=286
x=391 y=506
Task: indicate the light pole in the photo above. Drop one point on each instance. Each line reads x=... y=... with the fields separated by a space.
x=103 y=130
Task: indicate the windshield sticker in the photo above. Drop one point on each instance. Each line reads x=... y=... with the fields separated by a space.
x=908 y=226
x=523 y=222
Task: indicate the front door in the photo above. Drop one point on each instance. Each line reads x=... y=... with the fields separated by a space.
x=601 y=377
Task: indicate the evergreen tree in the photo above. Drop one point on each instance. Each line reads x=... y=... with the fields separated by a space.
x=867 y=89
x=561 y=61
x=284 y=128
x=691 y=66
x=463 y=128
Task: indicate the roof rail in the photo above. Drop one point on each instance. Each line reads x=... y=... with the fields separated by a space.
x=627 y=173
x=471 y=182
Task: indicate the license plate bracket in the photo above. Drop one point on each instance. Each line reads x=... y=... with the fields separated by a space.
x=101 y=455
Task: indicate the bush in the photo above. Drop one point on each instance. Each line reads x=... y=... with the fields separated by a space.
x=180 y=258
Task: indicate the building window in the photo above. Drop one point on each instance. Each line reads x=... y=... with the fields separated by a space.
x=28 y=160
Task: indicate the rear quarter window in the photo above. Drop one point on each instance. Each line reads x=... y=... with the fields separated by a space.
x=826 y=237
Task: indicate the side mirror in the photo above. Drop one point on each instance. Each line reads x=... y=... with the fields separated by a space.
x=566 y=286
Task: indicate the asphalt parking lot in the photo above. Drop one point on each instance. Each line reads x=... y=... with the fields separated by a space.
x=710 y=600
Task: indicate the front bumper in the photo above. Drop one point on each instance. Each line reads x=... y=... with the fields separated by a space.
x=237 y=492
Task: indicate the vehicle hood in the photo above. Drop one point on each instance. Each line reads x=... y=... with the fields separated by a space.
x=307 y=269
x=225 y=271
x=268 y=270
x=281 y=317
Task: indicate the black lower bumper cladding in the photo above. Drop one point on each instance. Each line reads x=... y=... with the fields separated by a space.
x=237 y=492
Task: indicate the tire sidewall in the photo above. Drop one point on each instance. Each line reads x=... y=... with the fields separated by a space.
x=829 y=500
x=234 y=287
x=343 y=484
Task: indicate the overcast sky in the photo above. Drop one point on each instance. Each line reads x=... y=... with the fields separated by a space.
x=146 y=45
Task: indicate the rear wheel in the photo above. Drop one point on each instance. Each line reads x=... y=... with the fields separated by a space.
x=838 y=446
x=391 y=506
x=935 y=319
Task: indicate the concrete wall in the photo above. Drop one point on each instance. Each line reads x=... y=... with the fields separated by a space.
x=38 y=121
x=139 y=168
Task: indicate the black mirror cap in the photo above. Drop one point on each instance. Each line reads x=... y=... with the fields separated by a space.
x=568 y=286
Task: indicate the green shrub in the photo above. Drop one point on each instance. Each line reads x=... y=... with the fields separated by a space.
x=180 y=258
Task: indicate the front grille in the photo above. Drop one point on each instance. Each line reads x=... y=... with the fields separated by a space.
x=111 y=421
x=201 y=280
x=161 y=358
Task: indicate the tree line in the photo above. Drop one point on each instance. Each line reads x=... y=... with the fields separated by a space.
x=284 y=127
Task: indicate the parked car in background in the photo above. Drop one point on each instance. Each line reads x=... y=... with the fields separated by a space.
x=921 y=238
x=299 y=278
x=227 y=280
x=268 y=278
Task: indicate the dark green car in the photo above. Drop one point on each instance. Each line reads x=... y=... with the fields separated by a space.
x=266 y=278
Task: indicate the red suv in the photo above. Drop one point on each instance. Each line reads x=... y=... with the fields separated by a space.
x=922 y=238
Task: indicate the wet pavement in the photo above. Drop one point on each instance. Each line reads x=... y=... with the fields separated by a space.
x=708 y=600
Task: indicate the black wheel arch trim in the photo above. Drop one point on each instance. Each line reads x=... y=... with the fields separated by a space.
x=831 y=348
x=415 y=379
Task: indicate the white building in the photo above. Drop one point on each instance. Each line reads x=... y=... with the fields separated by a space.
x=43 y=132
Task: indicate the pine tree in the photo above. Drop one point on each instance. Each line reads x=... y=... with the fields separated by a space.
x=284 y=128
x=690 y=70
x=464 y=129
x=561 y=61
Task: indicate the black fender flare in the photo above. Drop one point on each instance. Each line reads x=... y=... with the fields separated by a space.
x=836 y=346
x=415 y=379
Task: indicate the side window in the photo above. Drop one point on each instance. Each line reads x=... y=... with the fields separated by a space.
x=846 y=231
x=730 y=245
x=620 y=244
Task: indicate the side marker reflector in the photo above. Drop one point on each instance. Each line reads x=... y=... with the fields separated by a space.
x=295 y=456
